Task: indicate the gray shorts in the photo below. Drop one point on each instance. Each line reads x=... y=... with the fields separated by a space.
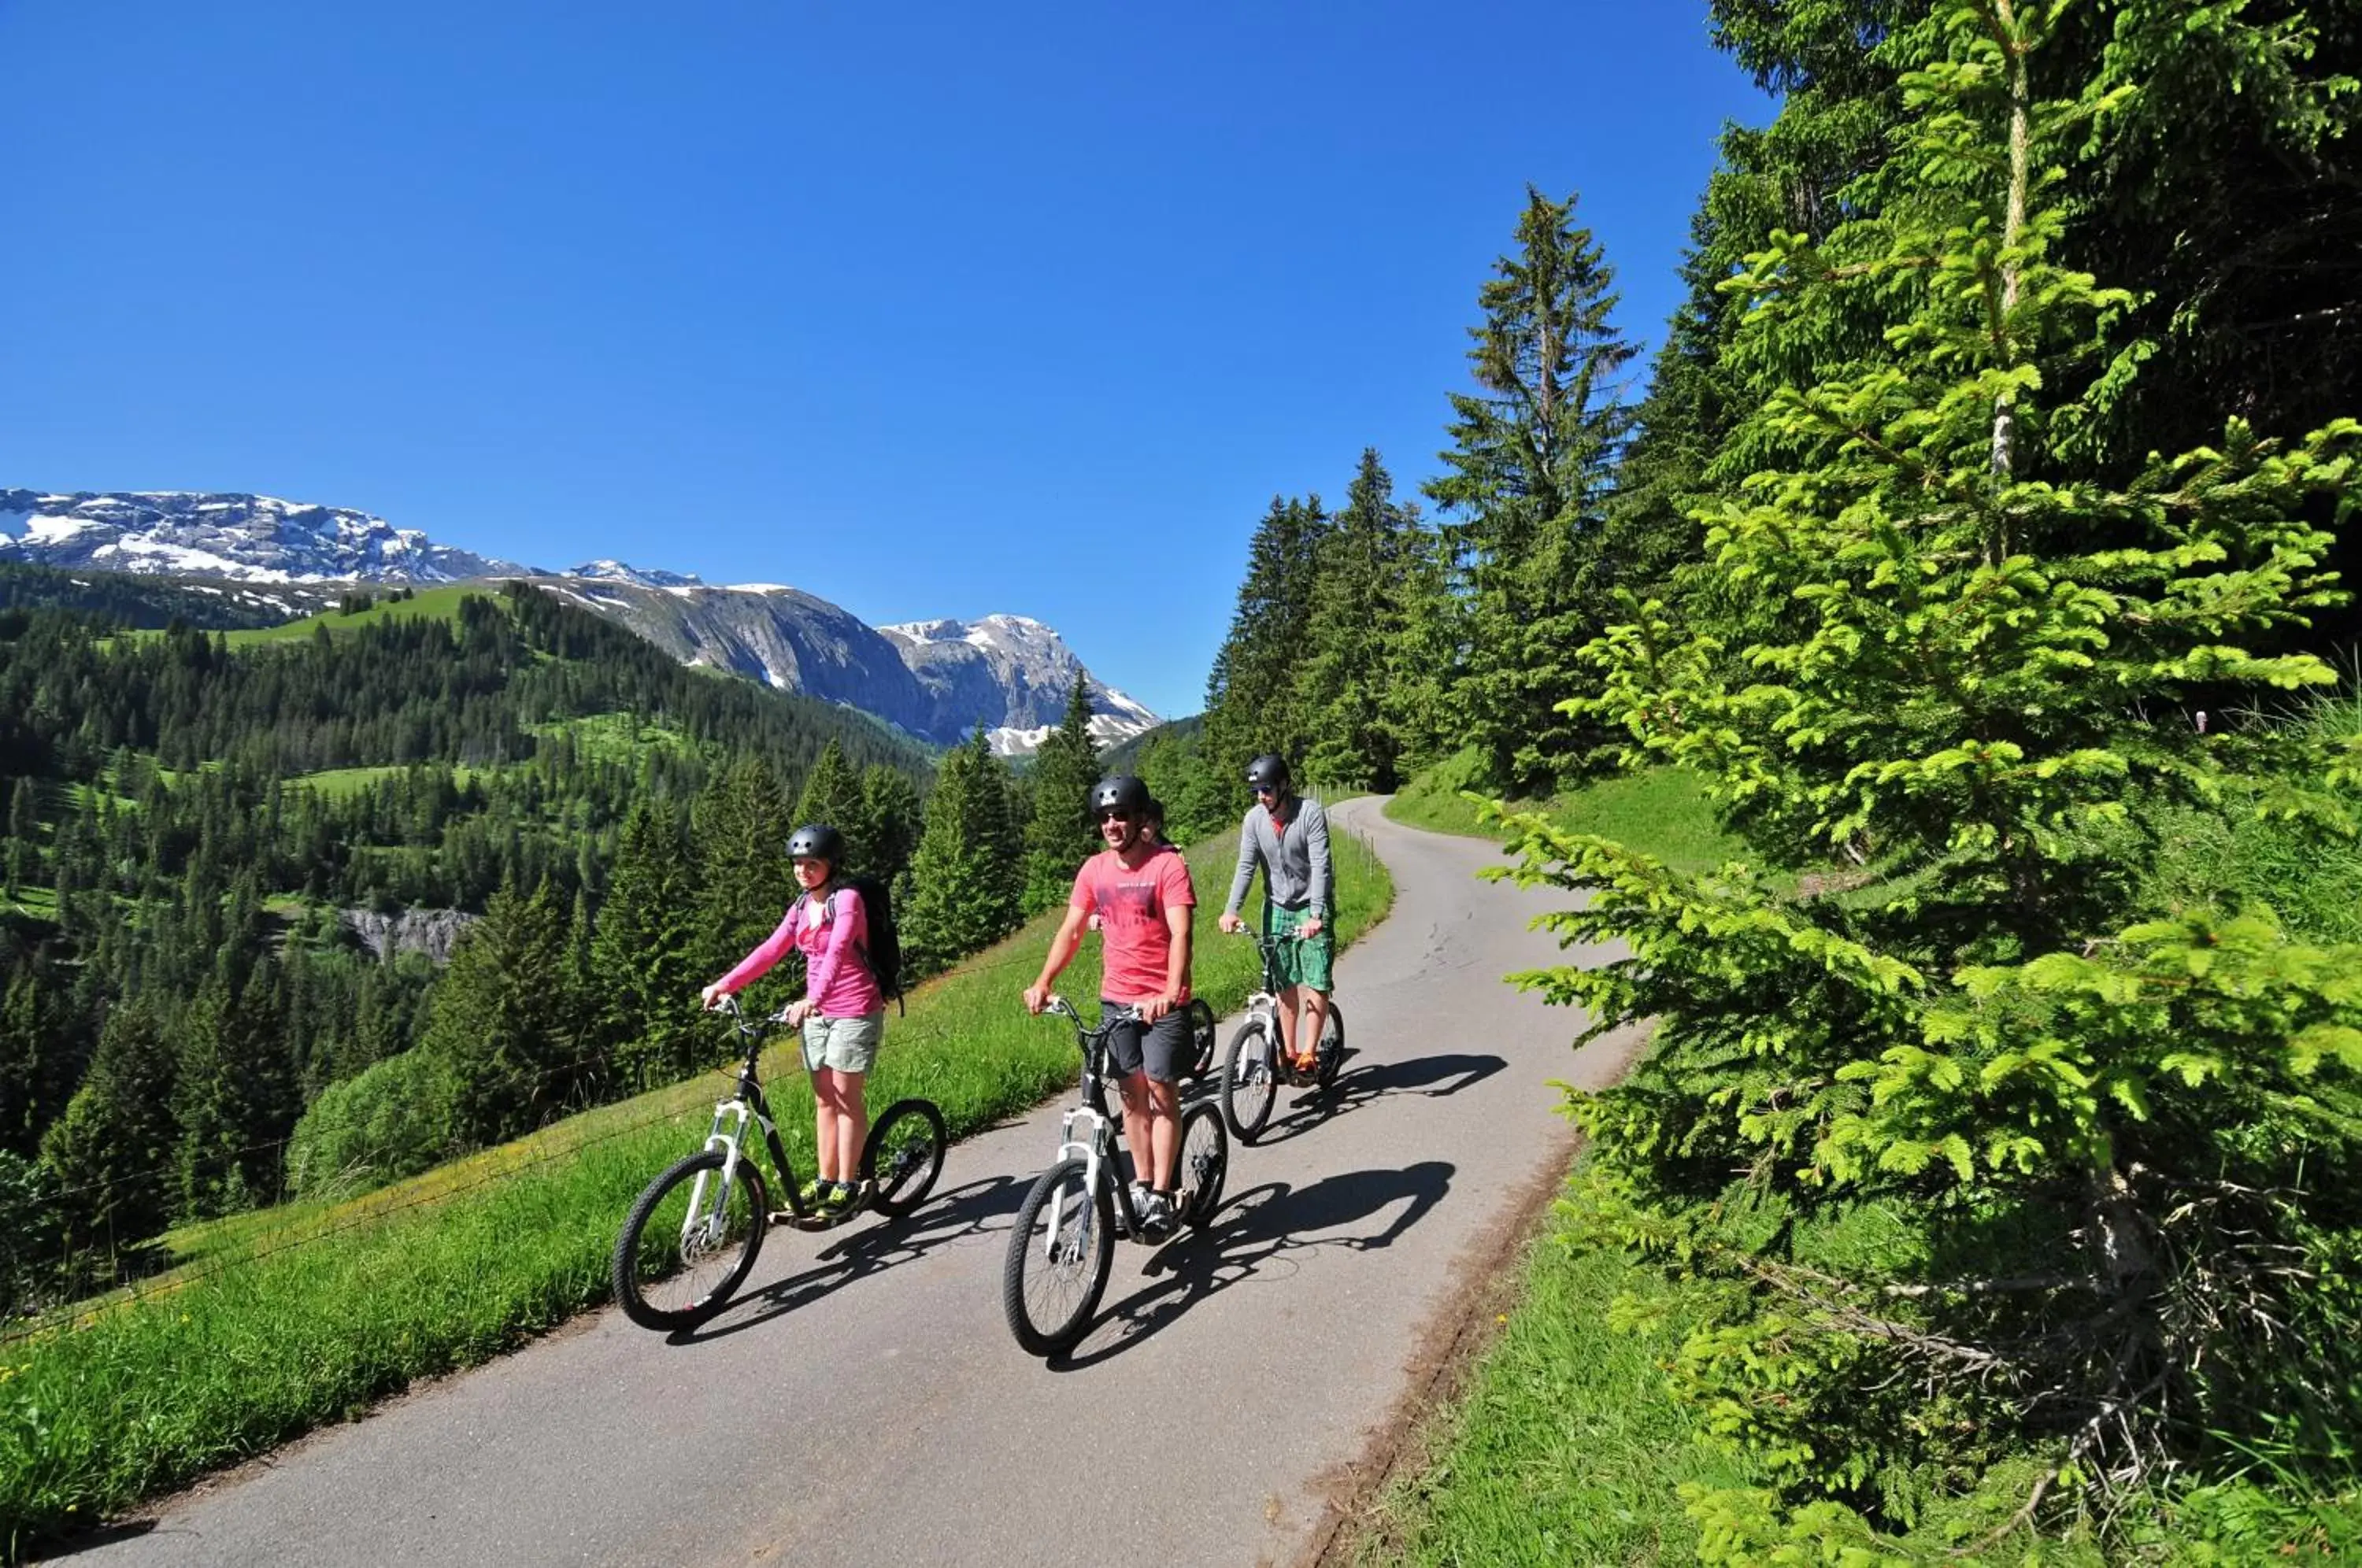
x=848 y=1044
x=1164 y=1047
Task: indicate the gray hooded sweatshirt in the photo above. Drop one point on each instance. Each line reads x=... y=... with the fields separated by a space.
x=1294 y=859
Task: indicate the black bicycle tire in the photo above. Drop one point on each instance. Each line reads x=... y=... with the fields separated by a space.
x=623 y=1269
x=938 y=1137
x=1331 y=1058
x=1203 y=1200
x=1247 y=1130
x=1063 y=1336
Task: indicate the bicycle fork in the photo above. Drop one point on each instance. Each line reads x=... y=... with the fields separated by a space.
x=1090 y=1155
x=735 y=1113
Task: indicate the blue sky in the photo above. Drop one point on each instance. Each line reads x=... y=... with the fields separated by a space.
x=930 y=309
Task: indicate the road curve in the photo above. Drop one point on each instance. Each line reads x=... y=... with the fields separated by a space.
x=863 y=1401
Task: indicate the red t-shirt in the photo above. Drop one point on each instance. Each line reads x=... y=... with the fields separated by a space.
x=1130 y=902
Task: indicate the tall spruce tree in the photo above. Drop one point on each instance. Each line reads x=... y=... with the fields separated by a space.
x=1059 y=837
x=1531 y=469
x=646 y=952
x=498 y=1029
x=1253 y=700
x=24 y=854
x=833 y=794
x=889 y=824
x=113 y=1148
x=2110 y=1155
x=1360 y=609
x=739 y=825
x=966 y=878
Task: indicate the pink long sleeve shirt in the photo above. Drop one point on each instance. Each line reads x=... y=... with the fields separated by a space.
x=837 y=979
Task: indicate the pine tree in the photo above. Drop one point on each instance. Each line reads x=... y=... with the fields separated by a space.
x=644 y=955
x=966 y=878
x=1422 y=656
x=1969 y=667
x=24 y=854
x=114 y=1147
x=208 y=1177
x=739 y=824
x=1253 y=702
x=1059 y=837
x=499 y=1023
x=1360 y=607
x=890 y=821
x=832 y=794
x=1531 y=465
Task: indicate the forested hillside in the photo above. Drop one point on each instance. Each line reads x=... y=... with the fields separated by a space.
x=235 y=862
x=1981 y=542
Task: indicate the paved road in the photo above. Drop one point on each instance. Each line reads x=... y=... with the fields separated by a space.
x=864 y=1402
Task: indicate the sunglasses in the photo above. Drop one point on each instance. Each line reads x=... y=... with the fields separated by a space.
x=1267 y=788
x=1115 y=816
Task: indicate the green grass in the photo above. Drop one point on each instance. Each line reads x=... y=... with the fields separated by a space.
x=612 y=737
x=427 y=604
x=1662 y=812
x=280 y=1321
x=598 y=737
x=38 y=904
x=1566 y=1447
x=342 y=783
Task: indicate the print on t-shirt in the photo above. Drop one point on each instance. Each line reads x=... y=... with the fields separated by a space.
x=1130 y=902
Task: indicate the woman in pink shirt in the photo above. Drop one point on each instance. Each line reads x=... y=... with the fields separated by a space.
x=843 y=1013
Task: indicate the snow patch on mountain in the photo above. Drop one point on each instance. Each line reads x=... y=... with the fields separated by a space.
x=251 y=538
x=1027 y=663
x=623 y=572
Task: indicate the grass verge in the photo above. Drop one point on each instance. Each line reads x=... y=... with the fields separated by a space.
x=1566 y=1446
x=309 y=1313
x=1663 y=810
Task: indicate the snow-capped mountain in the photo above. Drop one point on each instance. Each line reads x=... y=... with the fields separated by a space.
x=1022 y=664
x=646 y=576
x=938 y=680
x=244 y=538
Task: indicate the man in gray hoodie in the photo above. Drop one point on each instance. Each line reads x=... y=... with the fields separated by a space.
x=1288 y=837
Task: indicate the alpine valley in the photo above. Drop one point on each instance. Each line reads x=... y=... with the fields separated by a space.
x=259 y=556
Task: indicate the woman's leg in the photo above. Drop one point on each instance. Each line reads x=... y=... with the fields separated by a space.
x=826 y=1117
x=852 y=1119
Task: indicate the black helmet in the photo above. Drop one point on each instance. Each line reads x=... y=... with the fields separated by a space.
x=1270 y=769
x=817 y=841
x=1121 y=793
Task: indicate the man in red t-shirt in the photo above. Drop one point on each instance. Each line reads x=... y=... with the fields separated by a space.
x=1144 y=904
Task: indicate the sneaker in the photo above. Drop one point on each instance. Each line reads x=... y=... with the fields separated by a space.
x=837 y=1200
x=1156 y=1213
x=1139 y=1196
x=814 y=1192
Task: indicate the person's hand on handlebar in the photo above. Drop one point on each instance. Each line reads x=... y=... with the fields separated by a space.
x=1036 y=998
x=712 y=997
x=1232 y=922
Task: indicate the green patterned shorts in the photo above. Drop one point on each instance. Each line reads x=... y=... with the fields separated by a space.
x=1303 y=960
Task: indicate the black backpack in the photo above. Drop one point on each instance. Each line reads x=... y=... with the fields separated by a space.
x=883 y=951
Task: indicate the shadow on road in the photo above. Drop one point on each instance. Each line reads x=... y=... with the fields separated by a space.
x=89 y=1541
x=962 y=1212
x=1433 y=1076
x=1254 y=1236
